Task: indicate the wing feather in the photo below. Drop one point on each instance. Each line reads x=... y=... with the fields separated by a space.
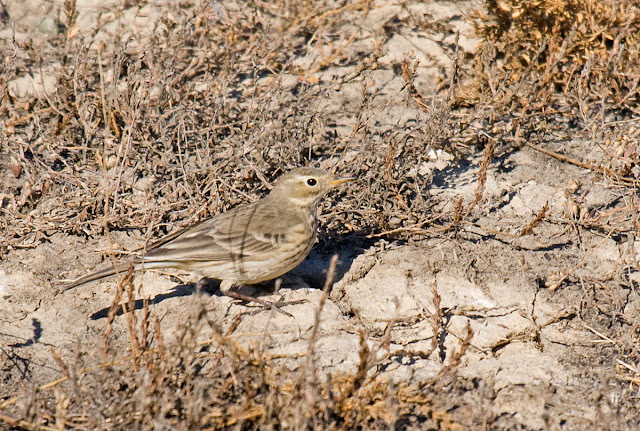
x=253 y=230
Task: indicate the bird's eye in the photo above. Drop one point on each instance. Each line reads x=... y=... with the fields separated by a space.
x=311 y=182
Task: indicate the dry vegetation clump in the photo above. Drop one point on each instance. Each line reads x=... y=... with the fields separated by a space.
x=561 y=54
x=561 y=70
x=203 y=379
x=147 y=131
x=139 y=135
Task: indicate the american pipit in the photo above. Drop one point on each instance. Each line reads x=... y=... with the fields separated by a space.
x=248 y=244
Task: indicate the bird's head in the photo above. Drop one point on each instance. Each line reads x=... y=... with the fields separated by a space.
x=306 y=186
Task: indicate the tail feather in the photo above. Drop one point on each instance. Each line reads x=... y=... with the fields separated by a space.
x=103 y=273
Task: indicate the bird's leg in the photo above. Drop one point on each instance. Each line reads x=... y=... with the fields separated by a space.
x=227 y=288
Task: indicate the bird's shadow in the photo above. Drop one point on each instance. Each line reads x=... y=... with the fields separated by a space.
x=175 y=292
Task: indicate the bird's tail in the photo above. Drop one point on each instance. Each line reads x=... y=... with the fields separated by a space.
x=103 y=273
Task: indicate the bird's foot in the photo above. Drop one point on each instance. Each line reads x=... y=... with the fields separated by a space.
x=277 y=306
x=266 y=305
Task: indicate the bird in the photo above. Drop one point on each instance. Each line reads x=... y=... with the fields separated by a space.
x=246 y=245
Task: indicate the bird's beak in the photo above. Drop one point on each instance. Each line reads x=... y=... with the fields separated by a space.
x=341 y=180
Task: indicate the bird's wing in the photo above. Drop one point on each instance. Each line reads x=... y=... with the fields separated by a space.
x=174 y=235
x=231 y=235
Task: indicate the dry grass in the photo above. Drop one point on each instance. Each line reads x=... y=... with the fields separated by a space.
x=214 y=107
x=206 y=380
x=146 y=138
x=561 y=70
x=200 y=119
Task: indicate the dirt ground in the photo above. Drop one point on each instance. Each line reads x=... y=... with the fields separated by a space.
x=485 y=279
